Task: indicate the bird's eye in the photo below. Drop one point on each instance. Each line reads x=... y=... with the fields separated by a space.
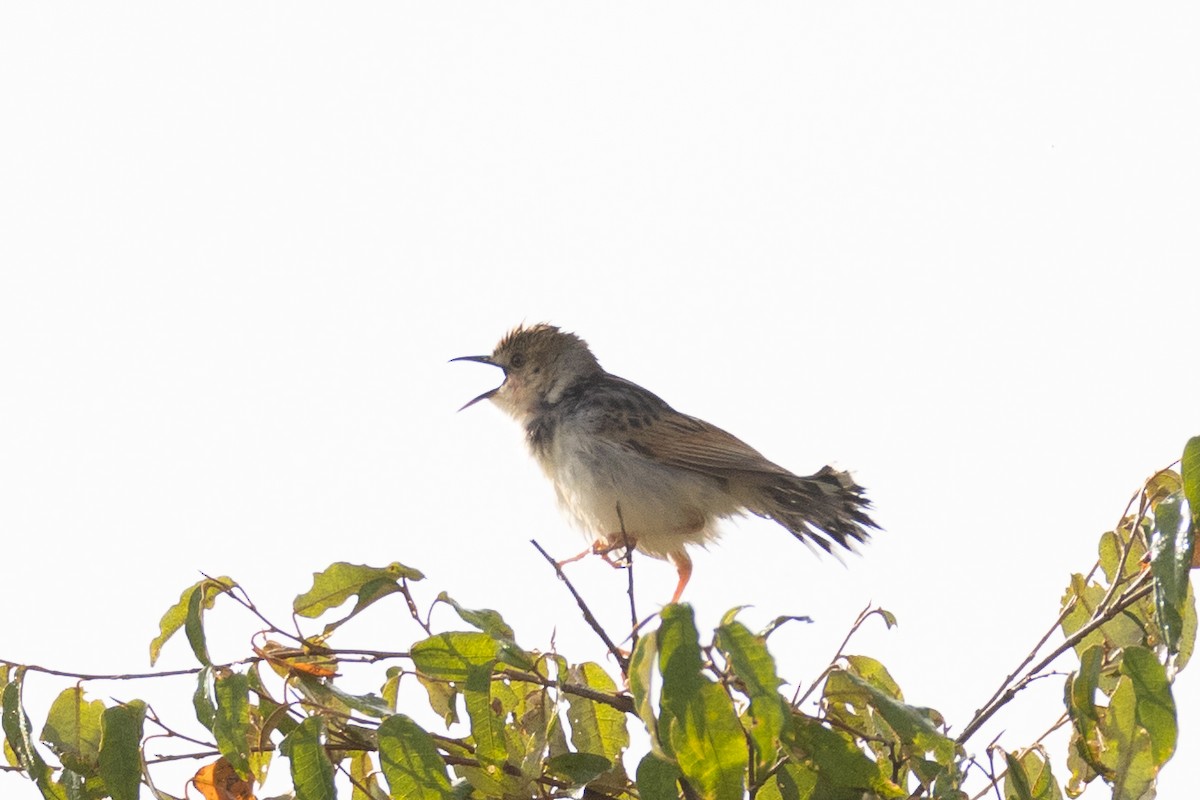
x=517 y=361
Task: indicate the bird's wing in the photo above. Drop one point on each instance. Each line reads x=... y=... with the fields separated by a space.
x=693 y=444
x=658 y=432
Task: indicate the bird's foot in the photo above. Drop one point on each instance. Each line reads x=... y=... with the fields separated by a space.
x=622 y=545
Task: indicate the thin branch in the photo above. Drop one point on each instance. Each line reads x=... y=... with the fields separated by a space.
x=128 y=676
x=621 y=658
x=1133 y=594
x=633 y=617
x=995 y=779
x=1126 y=546
x=412 y=607
x=231 y=590
x=1006 y=689
x=863 y=616
x=621 y=702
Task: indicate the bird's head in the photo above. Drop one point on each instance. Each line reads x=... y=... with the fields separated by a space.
x=539 y=362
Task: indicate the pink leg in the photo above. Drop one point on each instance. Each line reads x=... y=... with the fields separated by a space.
x=602 y=548
x=684 y=565
x=574 y=558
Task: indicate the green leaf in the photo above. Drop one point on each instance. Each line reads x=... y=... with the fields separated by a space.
x=1172 y=541
x=876 y=674
x=487 y=728
x=72 y=731
x=595 y=727
x=1029 y=777
x=843 y=770
x=1081 y=704
x=265 y=717
x=485 y=619
x=1121 y=631
x=752 y=663
x=193 y=626
x=657 y=779
x=178 y=614
x=1155 y=708
x=1189 y=471
x=202 y=699
x=790 y=782
x=700 y=724
x=450 y=656
x=19 y=737
x=231 y=725
x=340 y=581
x=410 y=761
x=364 y=777
x=312 y=772
x=120 y=749
x=641 y=674
x=578 y=768
x=1127 y=753
x=370 y=704
x=443 y=697
x=912 y=724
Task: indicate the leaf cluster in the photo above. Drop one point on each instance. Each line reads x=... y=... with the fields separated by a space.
x=514 y=722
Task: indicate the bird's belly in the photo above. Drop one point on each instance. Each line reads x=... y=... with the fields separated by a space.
x=609 y=489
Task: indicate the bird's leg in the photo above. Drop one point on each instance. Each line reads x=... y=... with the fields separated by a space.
x=604 y=548
x=574 y=558
x=684 y=565
x=624 y=543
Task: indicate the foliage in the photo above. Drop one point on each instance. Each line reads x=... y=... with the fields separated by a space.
x=518 y=722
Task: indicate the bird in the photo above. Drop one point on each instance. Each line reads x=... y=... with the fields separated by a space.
x=634 y=472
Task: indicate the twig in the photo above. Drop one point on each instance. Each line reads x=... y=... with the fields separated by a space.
x=412 y=607
x=1126 y=546
x=621 y=658
x=995 y=779
x=1133 y=594
x=633 y=617
x=863 y=616
x=621 y=702
x=232 y=589
x=130 y=676
x=1006 y=686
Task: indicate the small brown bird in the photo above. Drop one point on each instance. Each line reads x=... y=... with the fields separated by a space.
x=626 y=464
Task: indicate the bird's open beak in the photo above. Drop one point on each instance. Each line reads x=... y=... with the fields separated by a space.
x=481 y=360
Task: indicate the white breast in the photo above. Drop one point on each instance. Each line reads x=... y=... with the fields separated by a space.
x=663 y=507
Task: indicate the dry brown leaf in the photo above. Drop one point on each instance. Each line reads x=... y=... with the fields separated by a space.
x=219 y=781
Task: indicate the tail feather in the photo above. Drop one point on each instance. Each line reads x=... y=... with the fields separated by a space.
x=825 y=508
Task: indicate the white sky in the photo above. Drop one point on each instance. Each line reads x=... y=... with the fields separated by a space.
x=949 y=246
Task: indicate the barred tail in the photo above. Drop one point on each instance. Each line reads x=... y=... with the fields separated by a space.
x=818 y=508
